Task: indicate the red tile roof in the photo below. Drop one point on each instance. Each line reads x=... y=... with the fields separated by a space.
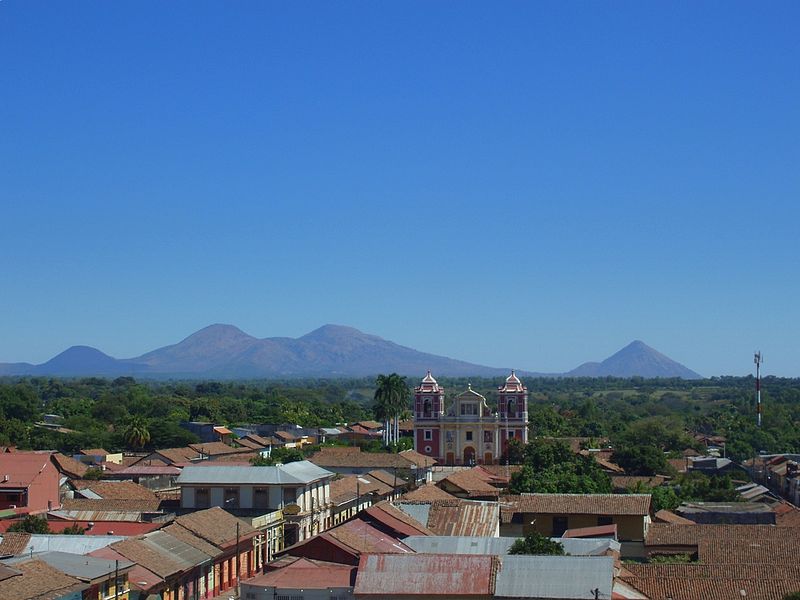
x=581 y=504
x=426 y=493
x=675 y=588
x=95 y=452
x=781 y=551
x=115 y=490
x=69 y=466
x=353 y=457
x=786 y=515
x=666 y=516
x=349 y=487
x=625 y=482
x=40 y=581
x=216 y=526
x=668 y=534
x=679 y=464
x=262 y=441
x=215 y=449
x=370 y=424
x=420 y=460
x=250 y=444
x=139 y=577
x=170 y=456
x=393 y=480
x=147 y=556
x=472 y=482
x=14 y=543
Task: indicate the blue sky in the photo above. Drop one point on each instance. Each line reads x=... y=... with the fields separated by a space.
x=520 y=184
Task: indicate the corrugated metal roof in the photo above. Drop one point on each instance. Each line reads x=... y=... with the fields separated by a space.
x=300 y=472
x=499 y=545
x=177 y=549
x=73 y=544
x=573 y=577
x=398 y=521
x=97 y=515
x=77 y=565
x=418 y=512
x=447 y=544
x=364 y=538
x=424 y=575
x=456 y=517
x=303 y=574
x=588 y=546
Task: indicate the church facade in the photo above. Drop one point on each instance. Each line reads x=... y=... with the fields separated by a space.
x=468 y=432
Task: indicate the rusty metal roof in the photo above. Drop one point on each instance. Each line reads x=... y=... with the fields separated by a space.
x=425 y=575
x=456 y=517
x=305 y=574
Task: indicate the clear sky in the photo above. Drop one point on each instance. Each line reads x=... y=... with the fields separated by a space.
x=519 y=184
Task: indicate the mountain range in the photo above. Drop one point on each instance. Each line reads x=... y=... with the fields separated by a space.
x=226 y=352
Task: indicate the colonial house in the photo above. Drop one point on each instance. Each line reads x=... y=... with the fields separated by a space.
x=553 y=514
x=29 y=482
x=301 y=490
x=468 y=433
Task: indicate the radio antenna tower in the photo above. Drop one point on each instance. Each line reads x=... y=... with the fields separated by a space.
x=758 y=360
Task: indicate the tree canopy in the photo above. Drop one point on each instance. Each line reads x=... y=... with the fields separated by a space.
x=551 y=467
x=536 y=543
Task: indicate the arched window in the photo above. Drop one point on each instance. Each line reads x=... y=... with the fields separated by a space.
x=426 y=408
x=511 y=407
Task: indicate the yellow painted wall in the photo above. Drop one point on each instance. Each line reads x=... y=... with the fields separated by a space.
x=629 y=527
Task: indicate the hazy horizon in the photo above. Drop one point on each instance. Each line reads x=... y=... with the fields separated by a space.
x=524 y=184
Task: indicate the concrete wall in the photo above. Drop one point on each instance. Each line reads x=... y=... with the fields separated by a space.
x=319 y=492
x=257 y=592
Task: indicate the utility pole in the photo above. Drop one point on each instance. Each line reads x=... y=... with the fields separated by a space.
x=758 y=360
x=238 y=564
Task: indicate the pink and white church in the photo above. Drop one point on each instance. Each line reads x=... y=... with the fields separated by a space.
x=468 y=433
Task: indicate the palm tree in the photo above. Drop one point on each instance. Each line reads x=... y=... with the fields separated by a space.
x=137 y=434
x=391 y=399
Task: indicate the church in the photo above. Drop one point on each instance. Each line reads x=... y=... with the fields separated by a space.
x=468 y=433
